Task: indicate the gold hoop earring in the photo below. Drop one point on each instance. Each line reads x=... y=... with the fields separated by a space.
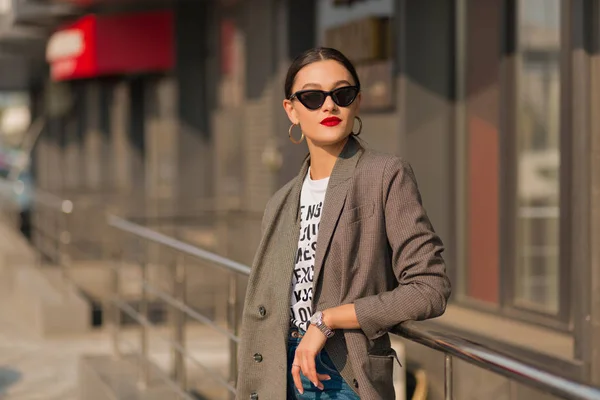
x=359 y=126
x=290 y=135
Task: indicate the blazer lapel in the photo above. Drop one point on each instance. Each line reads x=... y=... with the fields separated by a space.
x=334 y=202
x=287 y=242
x=280 y=244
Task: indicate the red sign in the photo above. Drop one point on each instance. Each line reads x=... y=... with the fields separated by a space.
x=100 y=45
x=227 y=46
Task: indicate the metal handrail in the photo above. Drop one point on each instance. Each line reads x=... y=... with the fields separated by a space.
x=185 y=248
x=451 y=345
x=52 y=201
x=55 y=212
x=496 y=362
x=178 y=302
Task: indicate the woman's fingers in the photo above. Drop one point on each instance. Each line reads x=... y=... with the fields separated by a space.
x=306 y=365
x=323 y=377
x=310 y=371
x=296 y=376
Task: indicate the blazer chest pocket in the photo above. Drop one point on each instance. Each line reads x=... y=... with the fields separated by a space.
x=360 y=213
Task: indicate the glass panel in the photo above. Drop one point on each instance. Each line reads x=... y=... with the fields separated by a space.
x=364 y=33
x=538 y=155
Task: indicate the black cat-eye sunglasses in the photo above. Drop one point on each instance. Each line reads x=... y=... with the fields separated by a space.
x=313 y=99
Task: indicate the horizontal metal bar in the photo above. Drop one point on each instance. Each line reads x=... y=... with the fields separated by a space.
x=552 y=212
x=46 y=232
x=144 y=321
x=464 y=349
x=189 y=311
x=50 y=200
x=175 y=244
x=164 y=377
x=497 y=362
x=184 y=307
x=202 y=214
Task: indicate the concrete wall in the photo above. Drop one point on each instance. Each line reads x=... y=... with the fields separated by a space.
x=15 y=73
x=92 y=139
x=595 y=203
x=196 y=58
x=428 y=110
x=160 y=137
x=120 y=152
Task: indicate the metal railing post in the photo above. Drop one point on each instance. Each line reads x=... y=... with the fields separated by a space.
x=448 y=385
x=115 y=311
x=64 y=239
x=232 y=322
x=57 y=229
x=36 y=235
x=179 y=322
x=145 y=367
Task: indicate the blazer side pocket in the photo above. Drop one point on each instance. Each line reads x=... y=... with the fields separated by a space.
x=381 y=375
x=389 y=353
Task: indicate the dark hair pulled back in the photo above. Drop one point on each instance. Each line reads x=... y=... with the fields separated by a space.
x=313 y=55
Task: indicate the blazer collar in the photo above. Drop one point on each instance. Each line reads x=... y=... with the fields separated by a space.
x=335 y=198
x=342 y=170
x=284 y=226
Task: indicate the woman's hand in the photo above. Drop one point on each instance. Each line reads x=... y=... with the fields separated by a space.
x=311 y=344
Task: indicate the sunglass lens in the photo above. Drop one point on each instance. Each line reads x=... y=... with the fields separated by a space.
x=344 y=96
x=312 y=100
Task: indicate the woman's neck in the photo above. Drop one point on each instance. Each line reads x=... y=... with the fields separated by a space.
x=323 y=158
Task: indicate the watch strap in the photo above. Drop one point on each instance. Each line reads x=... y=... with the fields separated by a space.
x=327 y=331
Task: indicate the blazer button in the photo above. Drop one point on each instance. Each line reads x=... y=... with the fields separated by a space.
x=254 y=396
x=258 y=357
x=262 y=311
x=355 y=383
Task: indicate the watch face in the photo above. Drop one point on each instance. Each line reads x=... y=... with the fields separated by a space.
x=315 y=318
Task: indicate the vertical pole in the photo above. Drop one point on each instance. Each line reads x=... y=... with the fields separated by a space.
x=179 y=322
x=232 y=322
x=461 y=135
x=65 y=239
x=448 y=388
x=115 y=311
x=62 y=236
x=57 y=229
x=145 y=367
x=36 y=233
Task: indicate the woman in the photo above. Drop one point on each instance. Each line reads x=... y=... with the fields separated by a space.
x=347 y=253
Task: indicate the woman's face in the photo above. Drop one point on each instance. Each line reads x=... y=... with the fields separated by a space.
x=330 y=123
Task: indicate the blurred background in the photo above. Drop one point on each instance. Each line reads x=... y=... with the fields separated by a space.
x=141 y=139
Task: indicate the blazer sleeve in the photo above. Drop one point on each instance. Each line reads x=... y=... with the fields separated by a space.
x=423 y=286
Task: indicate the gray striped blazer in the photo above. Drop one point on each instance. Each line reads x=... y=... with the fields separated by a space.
x=376 y=248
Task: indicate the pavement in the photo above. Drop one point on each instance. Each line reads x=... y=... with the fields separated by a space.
x=42 y=369
x=47 y=368
x=32 y=368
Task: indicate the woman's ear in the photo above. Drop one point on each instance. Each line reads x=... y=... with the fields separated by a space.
x=289 y=110
x=357 y=101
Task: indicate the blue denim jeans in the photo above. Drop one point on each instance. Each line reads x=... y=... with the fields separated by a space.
x=334 y=389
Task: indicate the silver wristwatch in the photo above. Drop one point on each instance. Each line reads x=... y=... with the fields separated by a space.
x=317 y=320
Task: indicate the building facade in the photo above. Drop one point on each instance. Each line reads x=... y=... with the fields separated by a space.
x=495 y=104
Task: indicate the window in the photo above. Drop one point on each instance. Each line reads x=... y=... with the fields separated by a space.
x=536 y=277
x=512 y=146
x=363 y=31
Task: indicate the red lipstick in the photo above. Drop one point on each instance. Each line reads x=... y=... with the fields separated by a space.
x=331 y=121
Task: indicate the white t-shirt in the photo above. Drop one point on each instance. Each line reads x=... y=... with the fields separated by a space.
x=311 y=208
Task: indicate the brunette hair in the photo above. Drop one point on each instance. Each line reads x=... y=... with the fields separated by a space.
x=313 y=55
